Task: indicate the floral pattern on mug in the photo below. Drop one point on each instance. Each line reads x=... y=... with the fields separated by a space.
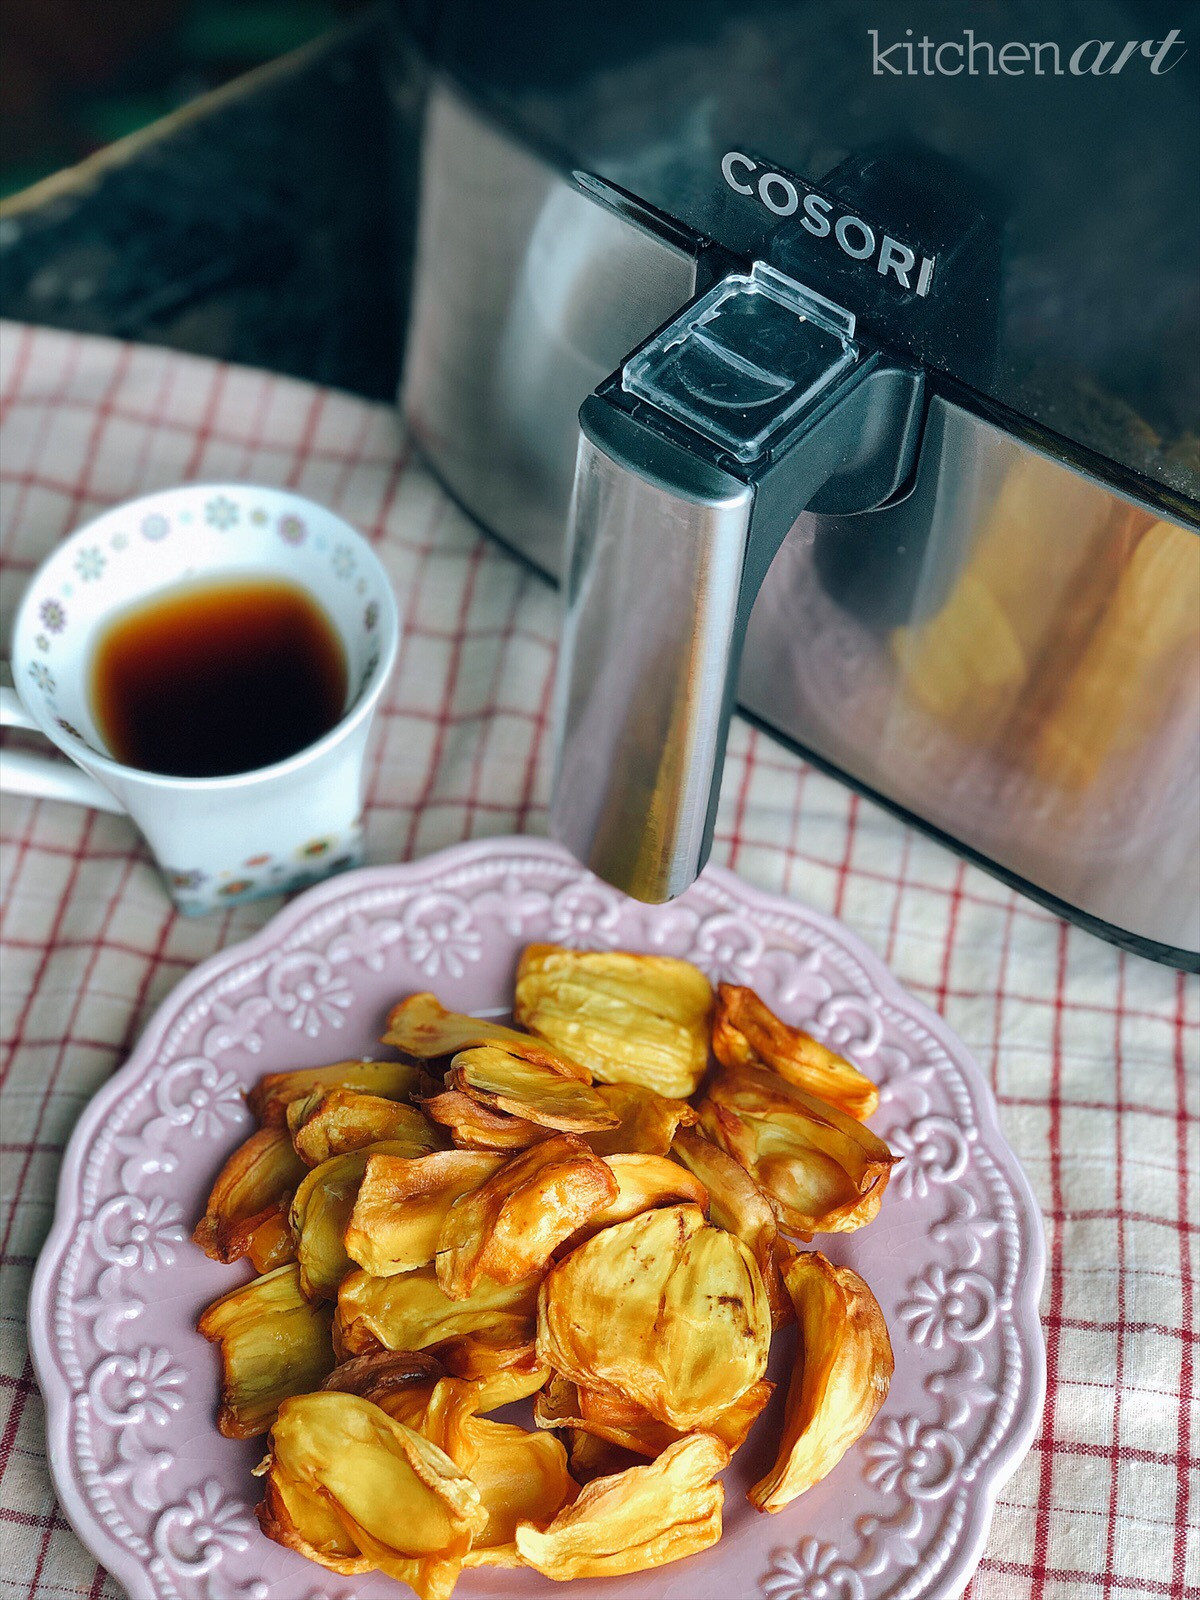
x=368 y=671
x=42 y=677
x=54 y=615
x=184 y=881
x=221 y=512
x=343 y=561
x=90 y=563
x=155 y=527
x=292 y=529
x=371 y=616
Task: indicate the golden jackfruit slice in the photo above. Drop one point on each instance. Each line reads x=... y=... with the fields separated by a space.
x=822 y=1171
x=507 y=1385
x=747 y=1033
x=422 y=1027
x=520 y=1481
x=399 y=1498
x=306 y=1523
x=665 y=1308
x=504 y=1081
x=647 y=1121
x=614 y=1416
x=385 y=1372
x=320 y=1210
x=487 y=1355
x=271 y=1096
x=474 y=1126
x=412 y=1312
x=521 y=1476
x=271 y=1244
x=402 y=1203
x=254 y=1186
x=511 y=1225
x=643 y=1182
x=637 y=1519
x=273 y=1343
x=737 y=1204
x=392 y=1377
x=589 y=1456
x=840 y=1379
x=332 y=1122
x=628 y=1018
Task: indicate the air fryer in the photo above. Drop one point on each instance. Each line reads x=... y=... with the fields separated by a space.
x=845 y=387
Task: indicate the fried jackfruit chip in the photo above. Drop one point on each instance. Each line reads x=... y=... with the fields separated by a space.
x=271 y=1095
x=402 y=1203
x=305 y=1522
x=391 y=1377
x=254 y=1186
x=747 y=1033
x=589 y=1456
x=611 y=1415
x=666 y=1308
x=519 y=1478
x=628 y=1018
x=271 y=1244
x=502 y=1080
x=400 y=1500
x=523 y=1478
x=647 y=1121
x=643 y=1182
x=822 y=1171
x=385 y=1372
x=640 y=1518
x=843 y=1369
x=422 y=1027
x=487 y=1355
x=320 y=1210
x=273 y=1343
x=411 y=1312
x=332 y=1122
x=511 y=1225
x=737 y=1204
x=474 y=1126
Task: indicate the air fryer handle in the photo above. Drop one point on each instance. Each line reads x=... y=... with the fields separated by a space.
x=694 y=461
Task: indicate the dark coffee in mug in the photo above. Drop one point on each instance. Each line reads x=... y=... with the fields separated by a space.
x=217 y=677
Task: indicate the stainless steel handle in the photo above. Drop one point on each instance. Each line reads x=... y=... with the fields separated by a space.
x=695 y=459
x=655 y=562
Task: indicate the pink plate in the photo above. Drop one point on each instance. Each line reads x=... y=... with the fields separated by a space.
x=955 y=1257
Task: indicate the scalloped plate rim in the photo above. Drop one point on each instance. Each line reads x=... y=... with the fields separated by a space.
x=54 y=1386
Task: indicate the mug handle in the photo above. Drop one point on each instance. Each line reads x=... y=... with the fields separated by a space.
x=24 y=772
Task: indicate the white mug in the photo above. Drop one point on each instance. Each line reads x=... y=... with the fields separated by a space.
x=217 y=840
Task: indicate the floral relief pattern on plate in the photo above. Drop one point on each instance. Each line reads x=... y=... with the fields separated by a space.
x=955 y=1257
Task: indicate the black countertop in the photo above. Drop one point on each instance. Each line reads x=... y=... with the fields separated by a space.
x=258 y=225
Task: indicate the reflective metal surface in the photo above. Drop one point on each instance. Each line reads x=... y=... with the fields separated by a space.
x=651 y=599
x=525 y=295
x=1012 y=654
x=757 y=398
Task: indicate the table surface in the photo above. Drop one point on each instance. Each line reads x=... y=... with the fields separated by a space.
x=1093 y=1054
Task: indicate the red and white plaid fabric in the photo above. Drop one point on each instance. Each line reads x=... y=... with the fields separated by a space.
x=1092 y=1053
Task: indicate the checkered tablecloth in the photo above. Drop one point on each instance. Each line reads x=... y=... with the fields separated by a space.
x=1092 y=1053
